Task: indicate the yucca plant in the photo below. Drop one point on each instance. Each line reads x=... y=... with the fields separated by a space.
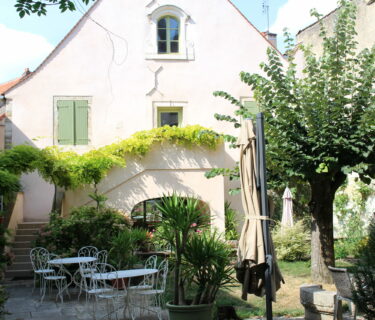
x=200 y=257
x=207 y=264
x=181 y=216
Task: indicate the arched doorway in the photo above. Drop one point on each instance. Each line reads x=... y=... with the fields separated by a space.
x=145 y=214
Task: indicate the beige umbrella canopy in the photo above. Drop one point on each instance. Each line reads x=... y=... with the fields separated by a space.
x=251 y=250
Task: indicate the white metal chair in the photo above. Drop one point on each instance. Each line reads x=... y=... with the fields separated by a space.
x=86 y=268
x=88 y=251
x=58 y=277
x=148 y=281
x=39 y=257
x=102 y=287
x=344 y=286
x=152 y=299
x=101 y=257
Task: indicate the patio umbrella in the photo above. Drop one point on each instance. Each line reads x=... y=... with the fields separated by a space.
x=252 y=253
x=287 y=217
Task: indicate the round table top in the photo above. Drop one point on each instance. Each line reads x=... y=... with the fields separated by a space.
x=72 y=260
x=123 y=274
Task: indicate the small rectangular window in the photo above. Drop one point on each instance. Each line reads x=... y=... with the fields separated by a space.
x=252 y=107
x=72 y=122
x=169 y=116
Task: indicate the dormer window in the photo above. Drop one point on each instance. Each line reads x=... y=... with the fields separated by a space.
x=168 y=35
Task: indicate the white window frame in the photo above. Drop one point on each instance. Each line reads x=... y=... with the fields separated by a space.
x=186 y=52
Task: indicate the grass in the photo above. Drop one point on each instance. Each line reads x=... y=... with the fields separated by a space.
x=288 y=303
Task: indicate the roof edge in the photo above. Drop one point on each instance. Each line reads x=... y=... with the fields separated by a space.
x=256 y=29
x=55 y=49
x=314 y=23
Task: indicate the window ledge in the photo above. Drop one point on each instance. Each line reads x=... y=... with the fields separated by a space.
x=155 y=56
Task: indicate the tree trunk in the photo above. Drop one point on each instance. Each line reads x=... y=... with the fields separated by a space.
x=323 y=191
x=58 y=199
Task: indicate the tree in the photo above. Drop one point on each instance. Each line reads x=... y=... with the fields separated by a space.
x=39 y=7
x=319 y=127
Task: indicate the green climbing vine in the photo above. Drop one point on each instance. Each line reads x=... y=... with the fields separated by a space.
x=70 y=170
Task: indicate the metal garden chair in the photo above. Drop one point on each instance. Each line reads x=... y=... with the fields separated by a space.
x=152 y=299
x=39 y=257
x=344 y=285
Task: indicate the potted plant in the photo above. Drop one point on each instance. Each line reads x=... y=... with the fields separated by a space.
x=123 y=246
x=200 y=257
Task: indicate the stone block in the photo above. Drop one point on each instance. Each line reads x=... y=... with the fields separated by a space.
x=319 y=304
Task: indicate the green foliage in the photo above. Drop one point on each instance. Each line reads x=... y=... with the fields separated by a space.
x=350 y=211
x=70 y=170
x=319 y=126
x=322 y=123
x=230 y=222
x=181 y=216
x=364 y=277
x=291 y=243
x=27 y=7
x=3 y=299
x=8 y=182
x=20 y=159
x=85 y=226
x=123 y=246
x=207 y=263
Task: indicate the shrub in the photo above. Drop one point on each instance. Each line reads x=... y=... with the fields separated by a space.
x=85 y=226
x=123 y=246
x=364 y=276
x=230 y=223
x=291 y=243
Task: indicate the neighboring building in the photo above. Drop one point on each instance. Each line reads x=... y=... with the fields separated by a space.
x=5 y=124
x=134 y=65
x=365 y=27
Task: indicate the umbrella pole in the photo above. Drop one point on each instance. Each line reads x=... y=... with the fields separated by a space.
x=261 y=159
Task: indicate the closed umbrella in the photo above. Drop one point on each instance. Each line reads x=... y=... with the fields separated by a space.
x=251 y=249
x=287 y=217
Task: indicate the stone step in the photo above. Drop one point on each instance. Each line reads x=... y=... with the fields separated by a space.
x=27 y=232
x=21 y=244
x=22 y=258
x=21 y=251
x=19 y=274
x=20 y=266
x=31 y=225
x=28 y=238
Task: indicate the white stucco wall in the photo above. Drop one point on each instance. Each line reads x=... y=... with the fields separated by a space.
x=111 y=65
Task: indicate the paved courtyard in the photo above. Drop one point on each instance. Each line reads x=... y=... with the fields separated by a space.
x=22 y=304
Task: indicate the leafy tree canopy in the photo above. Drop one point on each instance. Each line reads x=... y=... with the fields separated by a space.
x=27 y=7
x=319 y=125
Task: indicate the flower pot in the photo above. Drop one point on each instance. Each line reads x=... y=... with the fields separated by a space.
x=189 y=312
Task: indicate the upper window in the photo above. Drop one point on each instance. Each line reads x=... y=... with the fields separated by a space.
x=72 y=122
x=168 y=35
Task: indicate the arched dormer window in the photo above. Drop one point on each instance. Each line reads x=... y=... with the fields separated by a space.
x=168 y=35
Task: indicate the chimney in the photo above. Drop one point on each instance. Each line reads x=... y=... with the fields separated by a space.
x=271 y=37
x=26 y=72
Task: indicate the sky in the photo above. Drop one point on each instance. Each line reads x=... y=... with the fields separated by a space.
x=26 y=42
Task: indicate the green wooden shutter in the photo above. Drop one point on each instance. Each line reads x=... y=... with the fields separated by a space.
x=65 y=122
x=251 y=106
x=81 y=122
